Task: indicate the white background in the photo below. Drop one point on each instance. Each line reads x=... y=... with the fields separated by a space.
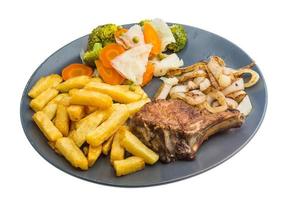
x=32 y=30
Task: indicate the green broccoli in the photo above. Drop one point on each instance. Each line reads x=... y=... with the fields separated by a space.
x=180 y=36
x=103 y=34
x=89 y=57
x=141 y=23
x=98 y=38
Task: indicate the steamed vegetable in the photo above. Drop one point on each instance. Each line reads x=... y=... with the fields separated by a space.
x=164 y=33
x=109 y=75
x=180 y=36
x=109 y=52
x=76 y=69
x=151 y=37
x=142 y=22
x=89 y=57
x=103 y=34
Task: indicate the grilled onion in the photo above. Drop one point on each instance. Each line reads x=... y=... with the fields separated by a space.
x=190 y=75
x=205 y=84
x=237 y=96
x=254 y=76
x=193 y=97
x=192 y=85
x=220 y=97
x=235 y=86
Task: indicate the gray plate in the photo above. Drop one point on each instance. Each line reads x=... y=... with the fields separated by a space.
x=213 y=152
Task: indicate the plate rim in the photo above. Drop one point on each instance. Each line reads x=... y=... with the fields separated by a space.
x=24 y=93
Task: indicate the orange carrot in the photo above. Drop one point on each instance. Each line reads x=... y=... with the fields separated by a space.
x=109 y=52
x=151 y=37
x=109 y=75
x=119 y=32
x=76 y=69
x=147 y=76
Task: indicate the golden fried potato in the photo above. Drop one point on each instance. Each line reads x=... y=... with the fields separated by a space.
x=62 y=120
x=71 y=152
x=91 y=98
x=41 y=100
x=136 y=106
x=138 y=89
x=96 y=79
x=90 y=109
x=58 y=98
x=117 y=93
x=75 y=112
x=129 y=165
x=77 y=82
x=107 y=145
x=117 y=151
x=118 y=117
x=85 y=150
x=72 y=126
x=134 y=146
x=65 y=101
x=50 y=110
x=93 y=154
x=89 y=124
x=44 y=83
x=51 y=107
x=46 y=126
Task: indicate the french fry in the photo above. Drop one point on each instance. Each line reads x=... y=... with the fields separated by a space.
x=58 y=98
x=44 y=83
x=77 y=82
x=50 y=110
x=129 y=165
x=89 y=124
x=90 y=109
x=71 y=152
x=85 y=150
x=62 y=120
x=136 y=106
x=72 y=126
x=118 y=117
x=117 y=151
x=91 y=98
x=93 y=154
x=46 y=126
x=107 y=145
x=75 y=112
x=134 y=146
x=51 y=107
x=65 y=101
x=118 y=94
x=96 y=79
x=41 y=100
x=138 y=89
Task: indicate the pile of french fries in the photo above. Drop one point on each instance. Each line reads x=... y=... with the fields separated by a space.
x=83 y=118
x=211 y=85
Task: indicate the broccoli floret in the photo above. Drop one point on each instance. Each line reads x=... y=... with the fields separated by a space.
x=89 y=57
x=103 y=34
x=141 y=23
x=180 y=36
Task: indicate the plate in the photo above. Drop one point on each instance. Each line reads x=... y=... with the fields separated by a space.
x=213 y=152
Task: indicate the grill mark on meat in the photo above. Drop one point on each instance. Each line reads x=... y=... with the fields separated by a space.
x=176 y=130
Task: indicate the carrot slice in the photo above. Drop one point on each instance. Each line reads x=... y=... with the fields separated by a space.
x=119 y=32
x=109 y=75
x=76 y=69
x=109 y=52
x=147 y=76
x=151 y=37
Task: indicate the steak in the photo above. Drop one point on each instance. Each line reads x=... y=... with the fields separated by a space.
x=176 y=130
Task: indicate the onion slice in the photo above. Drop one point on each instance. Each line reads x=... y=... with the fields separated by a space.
x=254 y=76
x=220 y=97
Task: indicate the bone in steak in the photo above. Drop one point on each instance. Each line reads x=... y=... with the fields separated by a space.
x=175 y=129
